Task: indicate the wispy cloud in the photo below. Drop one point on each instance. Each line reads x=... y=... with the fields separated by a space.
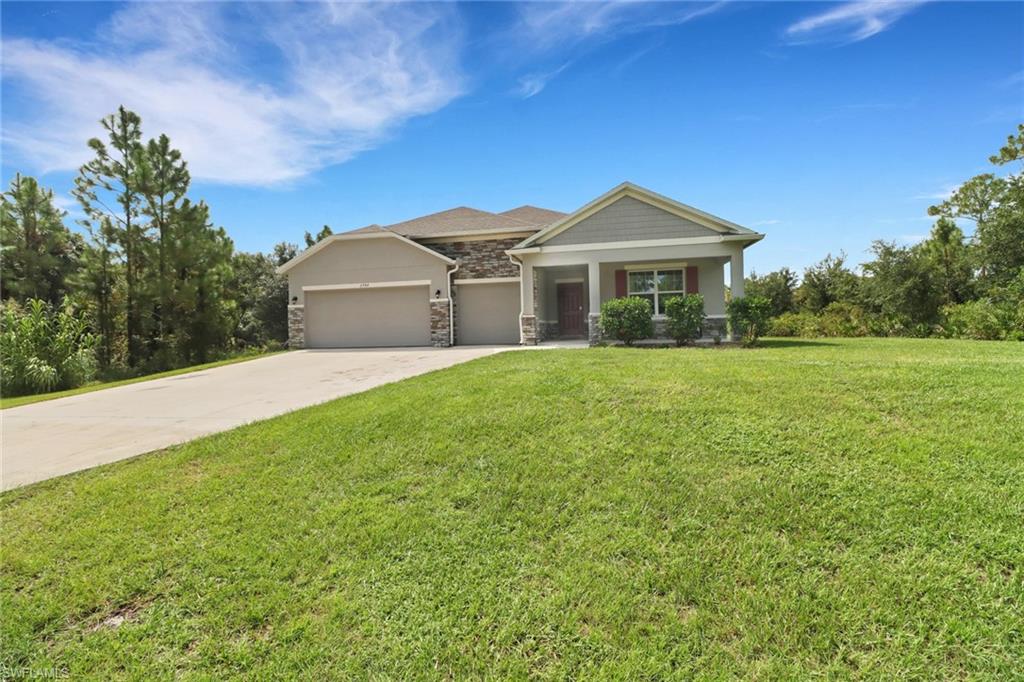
x=910 y=239
x=339 y=79
x=761 y=223
x=937 y=195
x=550 y=31
x=533 y=83
x=850 y=22
x=548 y=25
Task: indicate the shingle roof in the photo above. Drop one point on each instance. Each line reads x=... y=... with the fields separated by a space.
x=461 y=220
x=465 y=220
x=369 y=228
x=534 y=214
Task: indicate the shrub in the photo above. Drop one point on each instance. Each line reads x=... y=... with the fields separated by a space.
x=748 y=317
x=980 y=319
x=685 y=317
x=627 y=319
x=42 y=349
x=842 y=319
x=794 y=324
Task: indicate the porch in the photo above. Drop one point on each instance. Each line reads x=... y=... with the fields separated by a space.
x=562 y=291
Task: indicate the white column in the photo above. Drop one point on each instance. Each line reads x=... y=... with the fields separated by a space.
x=736 y=273
x=594 y=280
x=526 y=287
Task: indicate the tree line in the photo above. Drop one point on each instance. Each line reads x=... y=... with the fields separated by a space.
x=947 y=285
x=156 y=283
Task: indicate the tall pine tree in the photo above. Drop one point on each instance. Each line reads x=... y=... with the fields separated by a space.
x=109 y=188
x=164 y=181
x=39 y=252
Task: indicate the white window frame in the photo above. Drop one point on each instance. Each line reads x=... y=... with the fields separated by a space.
x=657 y=292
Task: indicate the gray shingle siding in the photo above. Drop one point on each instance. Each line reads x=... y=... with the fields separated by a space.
x=627 y=220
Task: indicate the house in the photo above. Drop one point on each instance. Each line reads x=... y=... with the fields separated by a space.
x=527 y=275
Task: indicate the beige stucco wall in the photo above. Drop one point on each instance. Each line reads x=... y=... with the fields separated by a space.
x=357 y=261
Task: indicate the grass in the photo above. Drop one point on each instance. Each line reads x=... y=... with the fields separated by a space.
x=18 y=401
x=842 y=509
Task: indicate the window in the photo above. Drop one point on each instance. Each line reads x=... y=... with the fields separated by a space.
x=657 y=286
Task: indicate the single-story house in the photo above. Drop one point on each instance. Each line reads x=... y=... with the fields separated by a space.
x=527 y=275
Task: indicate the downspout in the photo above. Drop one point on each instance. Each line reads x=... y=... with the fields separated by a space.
x=451 y=305
x=519 y=264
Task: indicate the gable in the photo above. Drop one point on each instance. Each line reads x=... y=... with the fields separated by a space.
x=629 y=219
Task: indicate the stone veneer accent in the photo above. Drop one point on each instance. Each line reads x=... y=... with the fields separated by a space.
x=715 y=326
x=439 y=323
x=528 y=325
x=594 y=328
x=547 y=330
x=480 y=258
x=296 y=326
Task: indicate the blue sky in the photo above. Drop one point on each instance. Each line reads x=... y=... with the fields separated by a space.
x=824 y=125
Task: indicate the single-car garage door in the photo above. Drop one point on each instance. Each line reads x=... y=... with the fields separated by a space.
x=356 y=318
x=487 y=313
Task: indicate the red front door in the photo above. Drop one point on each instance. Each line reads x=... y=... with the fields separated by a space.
x=570 y=308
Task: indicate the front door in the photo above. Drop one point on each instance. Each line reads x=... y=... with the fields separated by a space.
x=570 y=308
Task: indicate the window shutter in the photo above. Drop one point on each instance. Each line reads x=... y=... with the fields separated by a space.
x=620 y=283
x=691 y=279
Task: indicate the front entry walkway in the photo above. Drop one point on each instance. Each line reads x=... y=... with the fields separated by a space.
x=57 y=437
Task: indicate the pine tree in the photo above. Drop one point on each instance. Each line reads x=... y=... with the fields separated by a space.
x=114 y=177
x=39 y=252
x=201 y=262
x=164 y=181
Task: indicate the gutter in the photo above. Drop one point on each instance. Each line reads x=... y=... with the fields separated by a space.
x=451 y=306
x=519 y=264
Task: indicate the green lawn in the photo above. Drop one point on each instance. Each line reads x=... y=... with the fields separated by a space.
x=840 y=508
x=99 y=385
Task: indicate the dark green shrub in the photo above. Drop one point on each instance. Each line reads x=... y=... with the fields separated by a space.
x=685 y=317
x=795 y=324
x=42 y=349
x=982 y=320
x=627 y=319
x=748 y=317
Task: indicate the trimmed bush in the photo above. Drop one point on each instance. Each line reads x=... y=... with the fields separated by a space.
x=42 y=349
x=748 y=317
x=685 y=317
x=627 y=319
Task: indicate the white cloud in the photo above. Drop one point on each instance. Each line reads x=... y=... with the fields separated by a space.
x=532 y=84
x=332 y=80
x=939 y=195
x=548 y=25
x=850 y=22
x=760 y=223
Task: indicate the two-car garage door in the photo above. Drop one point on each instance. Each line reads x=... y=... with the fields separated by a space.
x=355 y=318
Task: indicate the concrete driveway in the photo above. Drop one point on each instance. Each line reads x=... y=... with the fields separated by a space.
x=58 y=437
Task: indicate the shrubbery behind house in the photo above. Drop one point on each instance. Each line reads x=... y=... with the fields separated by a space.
x=949 y=285
x=685 y=317
x=627 y=319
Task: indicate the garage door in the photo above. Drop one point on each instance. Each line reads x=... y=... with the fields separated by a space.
x=487 y=313
x=358 y=318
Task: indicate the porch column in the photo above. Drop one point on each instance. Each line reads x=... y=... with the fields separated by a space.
x=528 y=317
x=736 y=273
x=594 y=316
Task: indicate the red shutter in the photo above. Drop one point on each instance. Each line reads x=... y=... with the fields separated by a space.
x=691 y=279
x=620 y=283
